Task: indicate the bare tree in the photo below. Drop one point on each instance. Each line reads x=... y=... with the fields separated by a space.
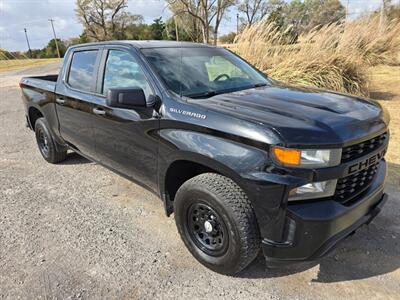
x=187 y=16
x=103 y=19
x=207 y=13
x=219 y=11
x=254 y=10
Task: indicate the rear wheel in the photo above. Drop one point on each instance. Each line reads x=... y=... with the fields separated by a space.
x=46 y=143
x=217 y=223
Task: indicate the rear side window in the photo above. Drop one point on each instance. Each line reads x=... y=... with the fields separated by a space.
x=82 y=69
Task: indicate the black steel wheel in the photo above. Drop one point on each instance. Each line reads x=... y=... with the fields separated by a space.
x=50 y=151
x=43 y=142
x=217 y=223
x=207 y=229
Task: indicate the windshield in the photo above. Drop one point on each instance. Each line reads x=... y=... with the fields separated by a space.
x=202 y=72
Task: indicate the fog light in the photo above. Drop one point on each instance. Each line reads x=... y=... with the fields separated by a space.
x=313 y=190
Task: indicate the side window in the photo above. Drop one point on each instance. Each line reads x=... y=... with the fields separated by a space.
x=81 y=70
x=122 y=71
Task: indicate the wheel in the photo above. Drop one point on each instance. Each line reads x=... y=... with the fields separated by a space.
x=217 y=223
x=46 y=143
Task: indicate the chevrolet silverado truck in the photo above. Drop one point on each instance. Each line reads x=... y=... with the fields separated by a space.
x=244 y=162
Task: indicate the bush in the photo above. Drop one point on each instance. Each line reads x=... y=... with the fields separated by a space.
x=227 y=38
x=334 y=57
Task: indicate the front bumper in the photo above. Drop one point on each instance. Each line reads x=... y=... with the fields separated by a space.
x=314 y=228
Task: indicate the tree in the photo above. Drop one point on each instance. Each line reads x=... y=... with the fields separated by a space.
x=322 y=12
x=220 y=8
x=254 y=10
x=207 y=13
x=185 y=22
x=51 y=50
x=157 y=29
x=176 y=32
x=104 y=19
x=302 y=16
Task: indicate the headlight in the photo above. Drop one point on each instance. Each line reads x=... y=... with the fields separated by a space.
x=313 y=190
x=307 y=158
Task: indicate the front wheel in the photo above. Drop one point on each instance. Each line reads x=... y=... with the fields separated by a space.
x=217 y=223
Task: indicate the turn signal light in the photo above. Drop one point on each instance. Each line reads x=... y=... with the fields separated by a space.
x=287 y=156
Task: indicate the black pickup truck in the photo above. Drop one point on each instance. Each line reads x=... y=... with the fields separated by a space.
x=243 y=161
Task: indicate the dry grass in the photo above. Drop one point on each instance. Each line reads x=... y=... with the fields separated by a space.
x=9 y=65
x=335 y=57
x=385 y=87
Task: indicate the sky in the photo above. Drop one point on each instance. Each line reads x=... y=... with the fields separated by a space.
x=15 y=15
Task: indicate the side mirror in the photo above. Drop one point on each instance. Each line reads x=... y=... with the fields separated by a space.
x=126 y=98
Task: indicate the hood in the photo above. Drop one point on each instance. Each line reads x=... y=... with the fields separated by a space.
x=303 y=116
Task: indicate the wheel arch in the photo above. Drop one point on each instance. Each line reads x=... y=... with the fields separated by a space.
x=186 y=167
x=33 y=114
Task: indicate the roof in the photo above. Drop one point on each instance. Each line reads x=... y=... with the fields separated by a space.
x=165 y=44
x=150 y=44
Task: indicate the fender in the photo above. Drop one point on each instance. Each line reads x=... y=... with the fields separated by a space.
x=241 y=163
x=47 y=109
x=223 y=155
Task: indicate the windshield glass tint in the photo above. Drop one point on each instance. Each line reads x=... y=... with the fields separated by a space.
x=202 y=72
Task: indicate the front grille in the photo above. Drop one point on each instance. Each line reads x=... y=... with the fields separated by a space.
x=355 y=151
x=349 y=187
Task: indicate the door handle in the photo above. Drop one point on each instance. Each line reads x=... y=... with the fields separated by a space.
x=99 y=111
x=60 y=101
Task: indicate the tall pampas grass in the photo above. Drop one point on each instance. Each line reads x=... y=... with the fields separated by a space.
x=336 y=56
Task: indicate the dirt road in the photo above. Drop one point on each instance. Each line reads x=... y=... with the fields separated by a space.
x=78 y=231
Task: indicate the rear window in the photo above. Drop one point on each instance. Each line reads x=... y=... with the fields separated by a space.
x=82 y=69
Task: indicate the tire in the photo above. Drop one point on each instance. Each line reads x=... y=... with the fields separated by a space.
x=46 y=143
x=232 y=232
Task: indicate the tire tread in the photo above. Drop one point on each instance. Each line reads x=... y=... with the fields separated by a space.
x=55 y=155
x=241 y=211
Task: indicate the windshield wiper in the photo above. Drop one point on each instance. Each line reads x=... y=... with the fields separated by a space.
x=206 y=94
x=259 y=85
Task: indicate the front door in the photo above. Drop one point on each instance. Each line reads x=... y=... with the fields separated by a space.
x=125 y=139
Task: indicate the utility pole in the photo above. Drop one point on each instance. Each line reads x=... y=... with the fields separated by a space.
x=176 y=29
x=27 y=41
x=382 y=19
x=347 y=10
x=237 y=23
x=55 y=38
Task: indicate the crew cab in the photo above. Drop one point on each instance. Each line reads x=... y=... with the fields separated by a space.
x=245 y=163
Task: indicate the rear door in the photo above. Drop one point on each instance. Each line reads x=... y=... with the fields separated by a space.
x=74 y=100
x=125 y=138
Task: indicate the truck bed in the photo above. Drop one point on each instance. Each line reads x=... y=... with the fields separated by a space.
x=46 y=82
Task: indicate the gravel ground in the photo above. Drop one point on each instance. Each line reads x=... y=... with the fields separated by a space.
x=77 y=231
